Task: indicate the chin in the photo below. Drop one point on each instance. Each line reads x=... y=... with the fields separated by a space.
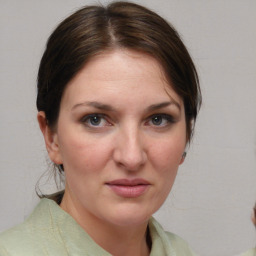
x=132 y=216
x=130 y=221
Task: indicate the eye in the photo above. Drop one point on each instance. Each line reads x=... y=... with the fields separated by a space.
x=157 y=120
x=161 y=120
x=95 y=120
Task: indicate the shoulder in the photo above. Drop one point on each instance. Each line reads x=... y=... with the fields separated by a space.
x=32 y=237
x=16 y=237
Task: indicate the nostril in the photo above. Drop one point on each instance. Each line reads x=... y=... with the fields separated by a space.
x=130 y=162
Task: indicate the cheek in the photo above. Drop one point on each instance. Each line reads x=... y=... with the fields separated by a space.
x=82 y=153
x=165 y=159
x=167 y=153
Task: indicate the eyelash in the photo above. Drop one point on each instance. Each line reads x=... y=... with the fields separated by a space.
x=168 y=118
x=87 y=120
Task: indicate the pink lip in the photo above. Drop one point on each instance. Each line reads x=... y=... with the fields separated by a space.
x=129 y=188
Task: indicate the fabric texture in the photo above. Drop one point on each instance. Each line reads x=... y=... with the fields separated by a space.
x=251 y=252
x=51 y=231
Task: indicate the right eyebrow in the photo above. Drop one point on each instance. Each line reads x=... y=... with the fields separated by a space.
x=94 y=104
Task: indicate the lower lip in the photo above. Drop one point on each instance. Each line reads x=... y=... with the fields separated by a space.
x=129 y=191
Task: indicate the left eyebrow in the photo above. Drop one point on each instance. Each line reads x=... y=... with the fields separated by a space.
x=163 y=105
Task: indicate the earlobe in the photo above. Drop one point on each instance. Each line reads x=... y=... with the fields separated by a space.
x=183 y=157
x=50 y=138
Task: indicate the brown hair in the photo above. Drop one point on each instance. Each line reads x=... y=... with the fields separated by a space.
x=94 y=29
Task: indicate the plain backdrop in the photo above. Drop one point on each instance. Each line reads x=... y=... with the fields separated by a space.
x=211 y=202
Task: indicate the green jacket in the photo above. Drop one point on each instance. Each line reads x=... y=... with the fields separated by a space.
x=51 y=231
x=251 y=252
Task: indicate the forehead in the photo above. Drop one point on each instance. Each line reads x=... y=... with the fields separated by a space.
x=119 y=73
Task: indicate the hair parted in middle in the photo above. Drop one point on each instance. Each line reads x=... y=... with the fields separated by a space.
x=93 y=30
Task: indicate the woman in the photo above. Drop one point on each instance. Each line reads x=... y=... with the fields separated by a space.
x=118 y=96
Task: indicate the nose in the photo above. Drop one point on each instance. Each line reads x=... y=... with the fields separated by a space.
x=129 y=151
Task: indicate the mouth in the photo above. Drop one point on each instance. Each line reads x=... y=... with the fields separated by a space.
x=129 y=188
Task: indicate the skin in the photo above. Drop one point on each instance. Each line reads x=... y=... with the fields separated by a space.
x=136 y=129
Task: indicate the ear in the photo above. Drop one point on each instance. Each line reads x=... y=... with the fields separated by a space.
x=183 y=157
x=50 y=139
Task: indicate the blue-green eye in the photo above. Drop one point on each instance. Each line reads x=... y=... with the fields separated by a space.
x=157 y=120
x=95 y=120
x=161 y=120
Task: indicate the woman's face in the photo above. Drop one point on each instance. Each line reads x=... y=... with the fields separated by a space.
x=120 y=135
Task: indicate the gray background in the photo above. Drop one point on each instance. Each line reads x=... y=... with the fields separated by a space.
x=211 y=202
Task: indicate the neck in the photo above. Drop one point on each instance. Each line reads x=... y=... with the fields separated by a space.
x=117 y=240
x=125 y=242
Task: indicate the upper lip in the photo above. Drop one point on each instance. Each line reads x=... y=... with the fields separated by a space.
x=128 y=182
